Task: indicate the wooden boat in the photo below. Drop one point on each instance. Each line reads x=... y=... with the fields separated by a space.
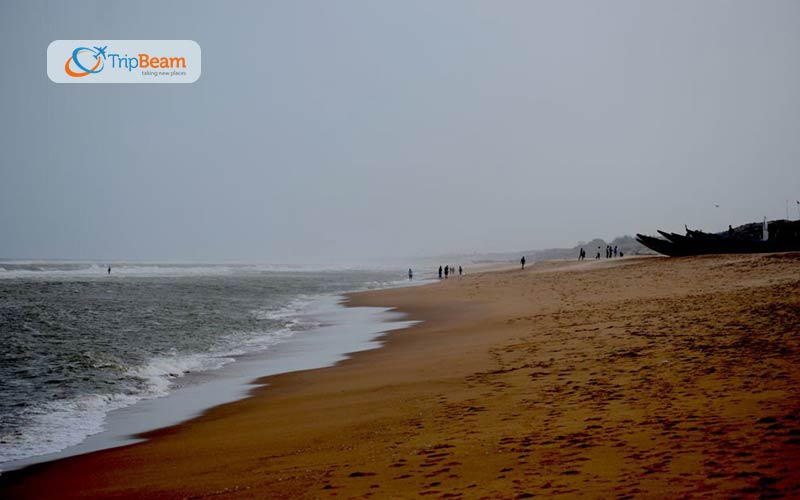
x=781 y=236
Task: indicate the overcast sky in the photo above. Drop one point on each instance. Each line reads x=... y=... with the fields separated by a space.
x=335 y=131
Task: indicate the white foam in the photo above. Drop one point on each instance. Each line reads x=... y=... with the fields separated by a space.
x=83 y=269
x=56 y=425
x=95 y=271
x=291 y=310
x=291 y=318
x=59 y=424
x=161 y=371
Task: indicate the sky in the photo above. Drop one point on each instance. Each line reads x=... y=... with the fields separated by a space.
x=338 y=131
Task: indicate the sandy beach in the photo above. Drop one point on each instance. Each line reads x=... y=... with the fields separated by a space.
x=629 y=378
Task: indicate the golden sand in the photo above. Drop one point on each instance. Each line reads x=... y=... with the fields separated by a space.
x=632 y=378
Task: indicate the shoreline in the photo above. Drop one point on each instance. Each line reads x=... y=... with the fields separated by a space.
x=198 y=391
x=507 y=389
x=240 y=372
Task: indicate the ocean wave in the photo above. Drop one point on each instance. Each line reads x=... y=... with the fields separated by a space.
x=55 y=425
x=60 y=271
x=160 y=372
x=296 y=305
x=79 y=269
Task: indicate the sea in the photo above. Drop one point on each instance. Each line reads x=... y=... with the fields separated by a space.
x=86 y=353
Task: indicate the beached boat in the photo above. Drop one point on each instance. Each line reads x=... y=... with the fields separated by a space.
x=755 y=237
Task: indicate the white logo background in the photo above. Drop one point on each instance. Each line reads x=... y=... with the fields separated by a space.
x=115 y=70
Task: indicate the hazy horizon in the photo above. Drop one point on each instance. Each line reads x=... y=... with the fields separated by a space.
x=338 y=132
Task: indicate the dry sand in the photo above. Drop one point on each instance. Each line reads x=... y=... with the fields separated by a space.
x=643 y=378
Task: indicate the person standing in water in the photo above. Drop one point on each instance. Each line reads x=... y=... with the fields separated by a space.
x=522 y=262
x=109 y=269
x=446 y=271
x=440 y=272
x=460 y=271
x=410 y=274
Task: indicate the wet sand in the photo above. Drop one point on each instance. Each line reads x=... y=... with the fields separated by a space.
x=645 y=377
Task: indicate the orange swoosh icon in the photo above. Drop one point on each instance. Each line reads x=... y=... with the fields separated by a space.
x=72 y=73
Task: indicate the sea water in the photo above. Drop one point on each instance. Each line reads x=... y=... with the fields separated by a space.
x=79 y=343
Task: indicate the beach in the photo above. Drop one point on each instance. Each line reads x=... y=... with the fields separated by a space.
x=627 y=378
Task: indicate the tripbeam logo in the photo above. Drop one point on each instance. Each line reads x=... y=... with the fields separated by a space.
x=123 y=61
x=76 y=69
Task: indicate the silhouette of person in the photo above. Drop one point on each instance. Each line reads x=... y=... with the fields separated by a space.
x=446 y=271
x=598 y=253
x=460 y=271
x=109 y=269
x=410 y=273
x=440 y=272
x=522 y=262
x=615 y=250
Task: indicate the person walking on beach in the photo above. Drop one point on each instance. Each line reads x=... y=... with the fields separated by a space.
x=446 y=271
x=440 y=272
x=410 y=274
x=460 y=271
x=522 y=262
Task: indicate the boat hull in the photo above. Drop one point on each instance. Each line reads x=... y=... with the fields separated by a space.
x=784 y=236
